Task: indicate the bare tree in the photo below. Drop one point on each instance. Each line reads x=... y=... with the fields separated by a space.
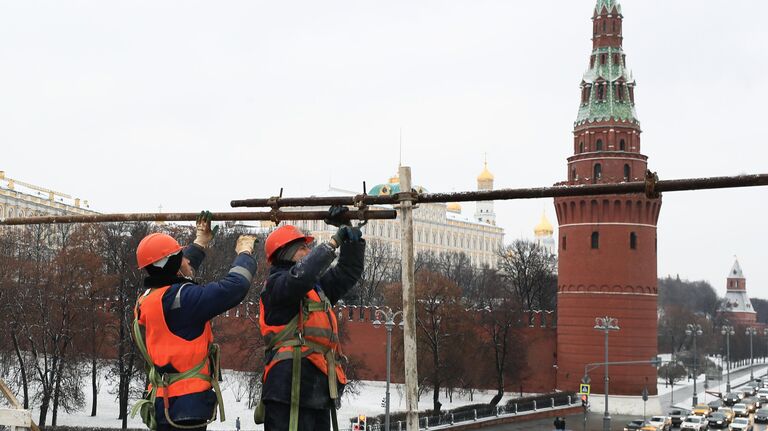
x=497 y=320
x=381 y=266
x=118 y=245
x=530 y=272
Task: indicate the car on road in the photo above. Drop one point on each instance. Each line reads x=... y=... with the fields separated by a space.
x=694 y=423
x=677 y=416
x=751 y=404
x=728 y=412
x=662 y=423
x=761 y=416
x=731 y=398
x=741 y=424
x=701 y=410
x=740 y=410
x=749 y=389
x=715 y=404
x=762 y=395
x=634 y=425
x=717 y=420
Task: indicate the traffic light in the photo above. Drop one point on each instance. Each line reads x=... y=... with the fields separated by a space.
x=585 y=401
x=361 y=423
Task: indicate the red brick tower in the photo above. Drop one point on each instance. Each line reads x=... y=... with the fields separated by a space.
x=607 y=250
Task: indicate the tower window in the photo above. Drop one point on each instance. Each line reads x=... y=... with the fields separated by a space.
x=592 y=62
x=622 y=145
x=633 y=240
x=573 y=175
x=603 y=58
x=615 y=57
x=604 y=26
x=581 y=147
x=627 y=172
x=599 y=145
x=600 y=92
x=595 y=240
x=620 y=91
x=564 y=242
x=598 y=172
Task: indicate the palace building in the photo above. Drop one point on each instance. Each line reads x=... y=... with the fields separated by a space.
x=22 y=199
x=438 y=228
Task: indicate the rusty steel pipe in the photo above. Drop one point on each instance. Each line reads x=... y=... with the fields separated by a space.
x=375 y=214
x=529 y=193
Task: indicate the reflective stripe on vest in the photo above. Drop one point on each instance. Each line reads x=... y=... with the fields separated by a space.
x=320 y=336
x=165 y=348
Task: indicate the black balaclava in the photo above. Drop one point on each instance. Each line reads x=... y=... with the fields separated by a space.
x=167 y=275
x=284 y=256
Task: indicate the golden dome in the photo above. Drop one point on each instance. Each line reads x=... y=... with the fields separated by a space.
x=453 y=207
x=544 y=228
x=395 y=179
x=486 y=175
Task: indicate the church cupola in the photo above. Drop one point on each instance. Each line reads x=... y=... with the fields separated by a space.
x=484 y=210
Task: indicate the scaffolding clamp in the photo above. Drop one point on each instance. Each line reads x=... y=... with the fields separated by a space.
x=274 y=203
x=651 y=178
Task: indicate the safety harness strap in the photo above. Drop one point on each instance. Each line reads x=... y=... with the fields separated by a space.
x=157 y=380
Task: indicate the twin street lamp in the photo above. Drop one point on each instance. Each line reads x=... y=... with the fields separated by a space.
x=606 y=324
x=728 y=331
x=389 y=323
x=694 y=330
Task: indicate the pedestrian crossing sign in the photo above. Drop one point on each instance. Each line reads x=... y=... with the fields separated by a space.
x=584 y=388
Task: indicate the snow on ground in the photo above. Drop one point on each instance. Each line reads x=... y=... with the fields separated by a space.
x=367 y=402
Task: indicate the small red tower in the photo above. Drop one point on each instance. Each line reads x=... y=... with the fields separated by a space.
x=737 y=308
x=607 y=250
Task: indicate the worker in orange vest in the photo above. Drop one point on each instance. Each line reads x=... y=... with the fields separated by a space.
x=172 y=327
x=303 y=379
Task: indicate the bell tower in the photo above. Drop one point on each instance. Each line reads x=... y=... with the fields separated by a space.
x=607 y=244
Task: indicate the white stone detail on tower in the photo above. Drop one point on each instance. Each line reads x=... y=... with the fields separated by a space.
x=484 y=210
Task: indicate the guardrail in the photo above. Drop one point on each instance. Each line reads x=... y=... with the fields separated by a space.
x=461 y=416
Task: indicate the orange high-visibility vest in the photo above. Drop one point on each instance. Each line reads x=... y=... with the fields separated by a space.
x=318 y=327
x=166 y=348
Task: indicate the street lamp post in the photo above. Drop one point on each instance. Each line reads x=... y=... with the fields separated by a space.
x=606 y=324
x=765 y=332
x=694 y=330
x=389 y=323
x=728 y=331
x=751 y=331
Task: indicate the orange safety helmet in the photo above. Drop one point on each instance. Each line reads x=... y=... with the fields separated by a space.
x=154 y=247
x=282 y=236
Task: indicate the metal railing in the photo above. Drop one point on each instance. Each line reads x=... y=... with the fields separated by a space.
x=461 y=416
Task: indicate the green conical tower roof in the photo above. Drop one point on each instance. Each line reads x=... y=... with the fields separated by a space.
x=607 y=4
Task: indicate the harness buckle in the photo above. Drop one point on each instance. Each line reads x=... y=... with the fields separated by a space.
x=300 y=337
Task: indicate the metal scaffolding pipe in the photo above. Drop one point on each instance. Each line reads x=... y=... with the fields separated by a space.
x=649 y=184
x=375 y=214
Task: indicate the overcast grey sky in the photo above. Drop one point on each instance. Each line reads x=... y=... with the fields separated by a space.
x=189 y=104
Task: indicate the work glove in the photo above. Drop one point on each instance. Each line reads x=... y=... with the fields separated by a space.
x=347 y=234
x=204 y=234
x=335 y=214
x=245 y=244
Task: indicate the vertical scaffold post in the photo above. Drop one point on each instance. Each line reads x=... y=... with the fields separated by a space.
x=409 y=301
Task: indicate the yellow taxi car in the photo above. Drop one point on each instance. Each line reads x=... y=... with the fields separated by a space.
x=701 y=410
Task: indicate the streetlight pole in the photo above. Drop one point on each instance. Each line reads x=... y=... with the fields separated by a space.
x=765 y=332
x=389 y=323
x=606 y=324
x=751 y=331
x=727 y=330
x=694 y=330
